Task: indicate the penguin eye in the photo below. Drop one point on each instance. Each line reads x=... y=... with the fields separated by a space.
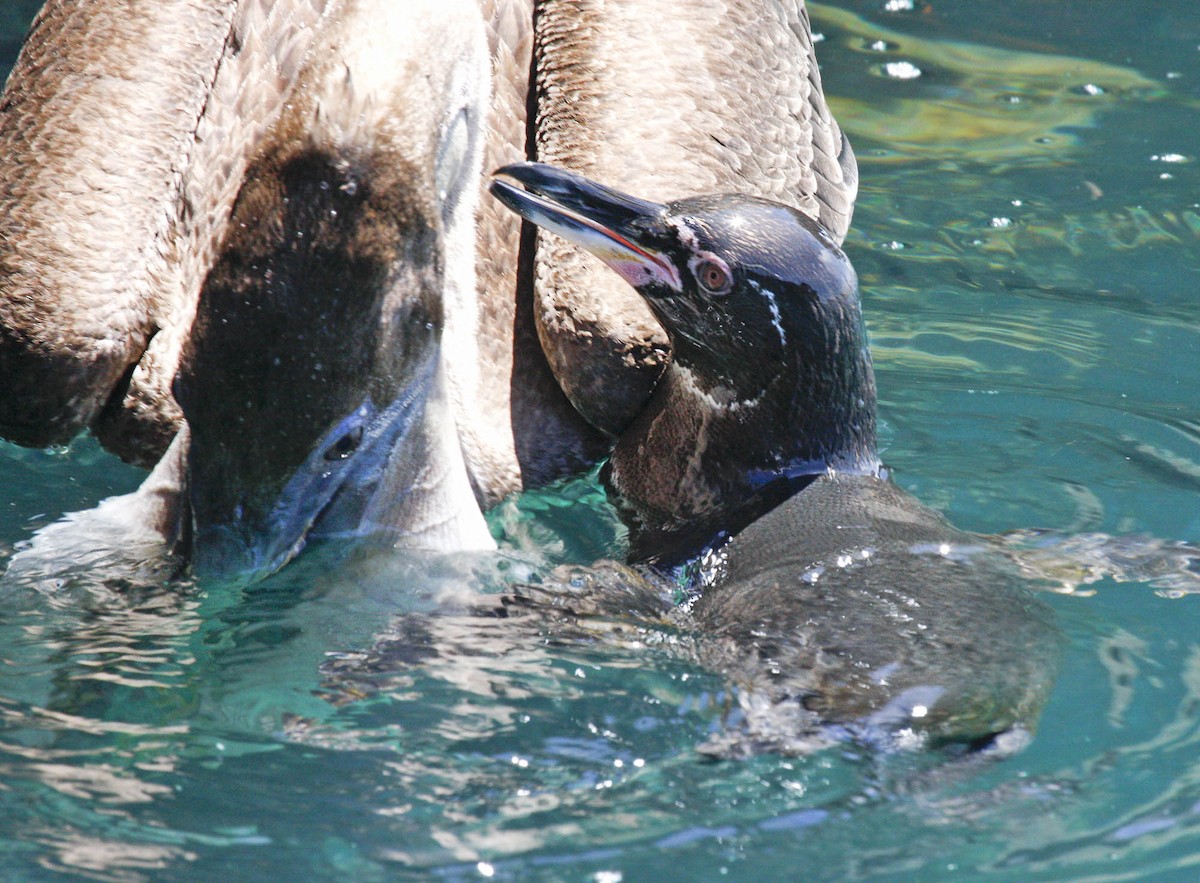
x=712 y=274
x=346 y=445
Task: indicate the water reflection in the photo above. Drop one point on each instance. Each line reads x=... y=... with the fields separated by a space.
x=170 y=722
x=958 y=99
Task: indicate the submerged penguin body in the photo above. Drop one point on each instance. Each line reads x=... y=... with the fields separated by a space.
x=853 y=607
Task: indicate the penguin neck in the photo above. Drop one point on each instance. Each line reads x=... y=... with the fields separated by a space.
x=700 y=460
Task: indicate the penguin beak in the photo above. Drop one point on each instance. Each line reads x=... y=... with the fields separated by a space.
x=615 y=227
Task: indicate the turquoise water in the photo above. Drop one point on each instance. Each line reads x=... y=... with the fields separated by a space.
x=1028 y=238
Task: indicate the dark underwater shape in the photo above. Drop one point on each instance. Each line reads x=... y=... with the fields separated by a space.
x=839 y=605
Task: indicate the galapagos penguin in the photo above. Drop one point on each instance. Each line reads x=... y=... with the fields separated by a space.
x=834 y=601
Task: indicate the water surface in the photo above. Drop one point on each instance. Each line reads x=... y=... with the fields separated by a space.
x=1028 y=239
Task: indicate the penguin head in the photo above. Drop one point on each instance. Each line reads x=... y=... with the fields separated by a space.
x=763 y=293
x=760 y=304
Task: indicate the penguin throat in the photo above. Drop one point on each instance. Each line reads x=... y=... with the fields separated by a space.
x=718 y=398
x=701 y=459
x=779 y=430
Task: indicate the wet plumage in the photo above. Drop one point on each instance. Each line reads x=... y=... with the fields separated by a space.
x=834 y=602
